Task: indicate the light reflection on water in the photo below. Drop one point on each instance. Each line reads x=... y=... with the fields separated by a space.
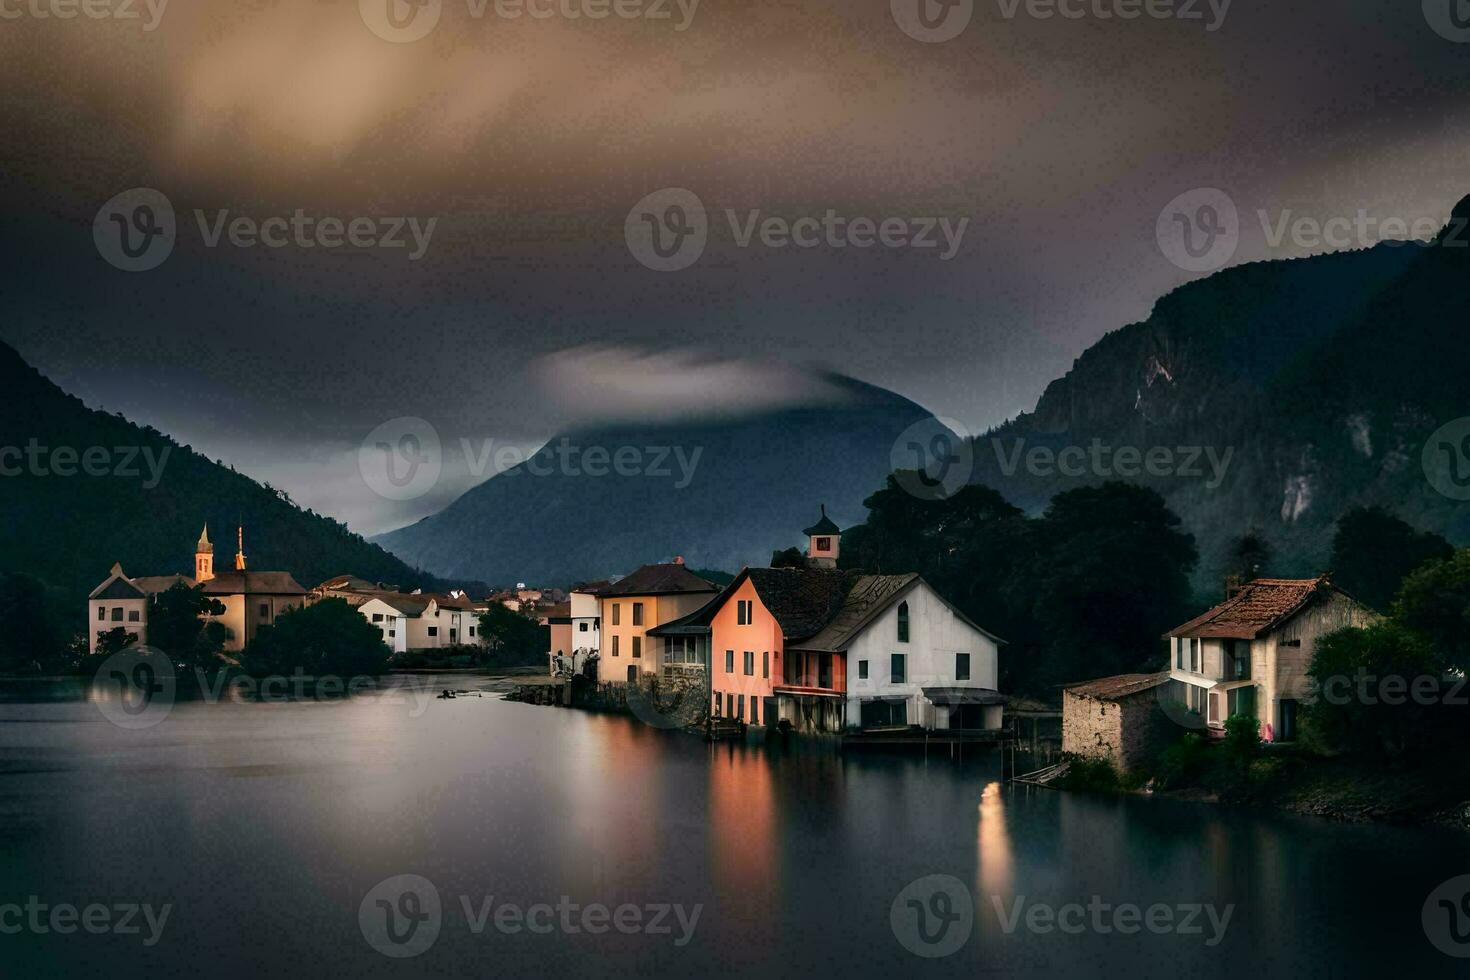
x=266 y=824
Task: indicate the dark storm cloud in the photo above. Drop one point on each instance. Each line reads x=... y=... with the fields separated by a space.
x=528 y=141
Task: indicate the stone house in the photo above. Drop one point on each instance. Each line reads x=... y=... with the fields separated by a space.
x=1116 y=718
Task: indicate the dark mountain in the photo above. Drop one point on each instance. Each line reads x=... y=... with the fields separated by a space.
x=1322 y=378
x=143 y=502
x=757 y=482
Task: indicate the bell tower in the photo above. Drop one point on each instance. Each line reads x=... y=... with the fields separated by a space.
x=822 y=542
x=204 y=557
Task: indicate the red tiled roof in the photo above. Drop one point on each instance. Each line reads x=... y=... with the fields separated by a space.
x=1259 y=607
x=1115 y=688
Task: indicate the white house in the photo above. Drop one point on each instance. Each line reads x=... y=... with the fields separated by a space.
x=422 y=622
x=912 y=658
x=586 y=628
x=1249 y=655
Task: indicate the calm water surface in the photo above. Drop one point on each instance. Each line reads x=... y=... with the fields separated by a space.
x=265 y=825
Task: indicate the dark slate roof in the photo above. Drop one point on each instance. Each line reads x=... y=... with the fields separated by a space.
x=253 y=583
x=592 y=588
x=824 y=526
x=964 y=695
x=162 y=583
x=867 y=599
x=802 y=600
x=117 y=587
x=1259 y=607
x=1116 y=688
x=408 y=605
x=665 y=579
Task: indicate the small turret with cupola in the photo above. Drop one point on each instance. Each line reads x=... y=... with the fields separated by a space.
x=823 y=539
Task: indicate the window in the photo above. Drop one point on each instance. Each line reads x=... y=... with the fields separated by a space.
x=962 y=666
x=719 y=703
x=581 y=627
x=749 y=663
x=740 y=708
x=133 y=616
x=117 y=614
x=632 y=675
x=896 y=668
x=903 y=622
x=824 y=544
x=824 y=670
x=1179 y=652
x=637 y=647
x=1194 y=655
x=862 y=670
x=453 y=636
x=617 y=613
x=729 y=661
x=1242 y=701
x=392 y=632
x=101 y=613
x=1240 y=660
x=637 y=614
x=265 y=610
x=433 y=631
x=744 y=612
x=377 y=617
x=755 y=710
x=766 y=665
x=615 y=646
x=472 y=631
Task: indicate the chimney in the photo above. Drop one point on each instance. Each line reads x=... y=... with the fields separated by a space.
x=1232 y=586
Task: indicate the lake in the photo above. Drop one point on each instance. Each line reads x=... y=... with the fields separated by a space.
x=546 y=841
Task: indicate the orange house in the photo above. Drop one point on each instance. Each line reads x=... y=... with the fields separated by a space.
x=631 y=607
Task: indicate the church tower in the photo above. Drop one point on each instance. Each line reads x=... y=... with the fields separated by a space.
x=204 y=557
x=240 y=549
x=822 y=541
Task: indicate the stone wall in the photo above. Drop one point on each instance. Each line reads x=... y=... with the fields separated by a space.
x=1127 y=731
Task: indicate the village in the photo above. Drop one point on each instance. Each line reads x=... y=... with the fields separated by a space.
x=814 y=650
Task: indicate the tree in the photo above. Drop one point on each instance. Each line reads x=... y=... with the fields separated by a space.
x=326 y=638
x=1434 y=603
x=176 y=626
x=113 y=640
x=1107 y=574
x=1366 y=699
x=1250 y=555
x=790 y=558
x=513 y=639
x=28 y=637
x=1373 y=551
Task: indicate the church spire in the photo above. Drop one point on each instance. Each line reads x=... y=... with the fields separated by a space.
x=240 y=548
x=204 y=558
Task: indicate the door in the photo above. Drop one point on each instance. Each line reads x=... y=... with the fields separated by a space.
x=1286 y=730
x=632 y=675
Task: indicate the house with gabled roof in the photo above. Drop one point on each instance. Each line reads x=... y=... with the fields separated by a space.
x=1249 y=655
x=629 y=608
x=251 y=599
x=825 y=650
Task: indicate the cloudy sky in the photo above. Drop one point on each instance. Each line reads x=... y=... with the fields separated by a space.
x=517 y=147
